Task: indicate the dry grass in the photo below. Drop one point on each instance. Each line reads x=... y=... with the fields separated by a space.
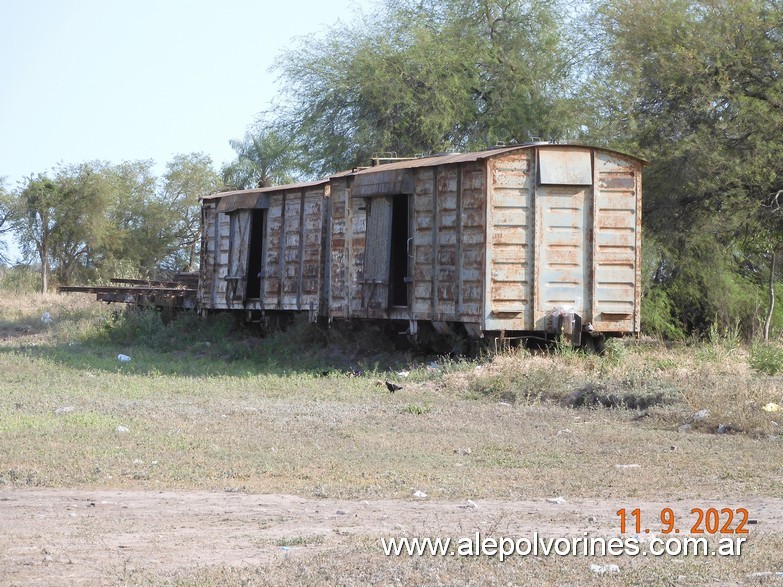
x=361 y=563
x=242 y=414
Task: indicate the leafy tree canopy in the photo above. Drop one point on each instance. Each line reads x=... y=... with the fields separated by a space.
x=426 y=76
x=6 y=216
x=265 y=157
x=697 y=87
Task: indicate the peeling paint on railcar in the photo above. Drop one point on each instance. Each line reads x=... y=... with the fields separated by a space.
x=496 y=240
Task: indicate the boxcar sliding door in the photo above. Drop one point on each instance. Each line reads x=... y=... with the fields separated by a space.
x=377 y=253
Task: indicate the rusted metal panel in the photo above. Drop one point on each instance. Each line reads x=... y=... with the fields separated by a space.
x=375 y=282
x=563 y=268
x=208 y=252
x=236 y=275
x=383 y=183
x=311 y=265
x=250 y=193
x=446 y=244
x=243 y=201
x=565 y=166
x=356 y=255
x=508 y=280
x=456 y=158
x=215 y=253
x=272 y=283
x=423 y=250
x=616 y=244
x=339 y=288
x=291 y=235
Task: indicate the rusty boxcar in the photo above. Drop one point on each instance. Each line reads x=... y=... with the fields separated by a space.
x=261 y=249
x=512 y=242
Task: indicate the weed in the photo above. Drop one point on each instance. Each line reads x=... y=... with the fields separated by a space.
x=666 y=364
x=564 y=348
x=417 y=409
x=300 y=541
x=766 y=358
x=615 y=352
x=133 y=325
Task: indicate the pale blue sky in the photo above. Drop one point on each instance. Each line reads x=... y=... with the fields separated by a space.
x=140 y=79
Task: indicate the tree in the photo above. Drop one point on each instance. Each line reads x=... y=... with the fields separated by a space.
x=697 y=86
x=265 y=157
x=7 y=209
x=36 y=222
x=93 y=221
x=426 y=76
x=140 y=222
x=80 y=219
x=61 y=218
x=187 y=179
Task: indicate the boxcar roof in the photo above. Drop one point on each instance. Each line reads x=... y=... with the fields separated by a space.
x=449 y=158
x=430 y=161
x=266 y=190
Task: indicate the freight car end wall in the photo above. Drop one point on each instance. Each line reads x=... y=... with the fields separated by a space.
x=564 y=228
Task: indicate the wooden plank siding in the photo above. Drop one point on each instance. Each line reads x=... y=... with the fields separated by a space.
x=292 y=261
x=492 y=240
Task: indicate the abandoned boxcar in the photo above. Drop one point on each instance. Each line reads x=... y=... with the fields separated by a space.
x=513 y=241
x=261 y=249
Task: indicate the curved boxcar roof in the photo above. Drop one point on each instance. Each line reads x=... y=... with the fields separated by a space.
x=449 y=158
x=247 y=198
x=265 y=190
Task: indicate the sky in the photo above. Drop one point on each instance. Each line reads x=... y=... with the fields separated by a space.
x=120 y=80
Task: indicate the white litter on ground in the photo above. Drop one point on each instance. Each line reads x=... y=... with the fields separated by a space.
x=603 y=569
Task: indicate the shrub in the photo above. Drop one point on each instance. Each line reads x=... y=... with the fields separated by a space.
x=658 y=316
x=20 y=279
x=134 y=325
x=766 y=358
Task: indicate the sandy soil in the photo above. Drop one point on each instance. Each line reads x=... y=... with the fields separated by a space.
x=55 y=537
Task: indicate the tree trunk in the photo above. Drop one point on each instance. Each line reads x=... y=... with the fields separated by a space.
x=44 y=264
x=768 y=320
x=191 y=257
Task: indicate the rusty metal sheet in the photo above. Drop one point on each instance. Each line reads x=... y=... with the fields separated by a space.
x=457 y=158
x=616 y=242
x=508 y=277
x=565 y=166
x=563 y=276
x=338 y=301
x=383 y=183
x=236 y=275
x=246 y=200
x=266 y=190
x=375 y=284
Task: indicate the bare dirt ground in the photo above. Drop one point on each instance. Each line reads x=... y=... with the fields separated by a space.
x=77 y=537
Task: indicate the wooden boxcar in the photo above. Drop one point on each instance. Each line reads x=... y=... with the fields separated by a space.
x=510 y=241
x=261 y=249
x=525 y=239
